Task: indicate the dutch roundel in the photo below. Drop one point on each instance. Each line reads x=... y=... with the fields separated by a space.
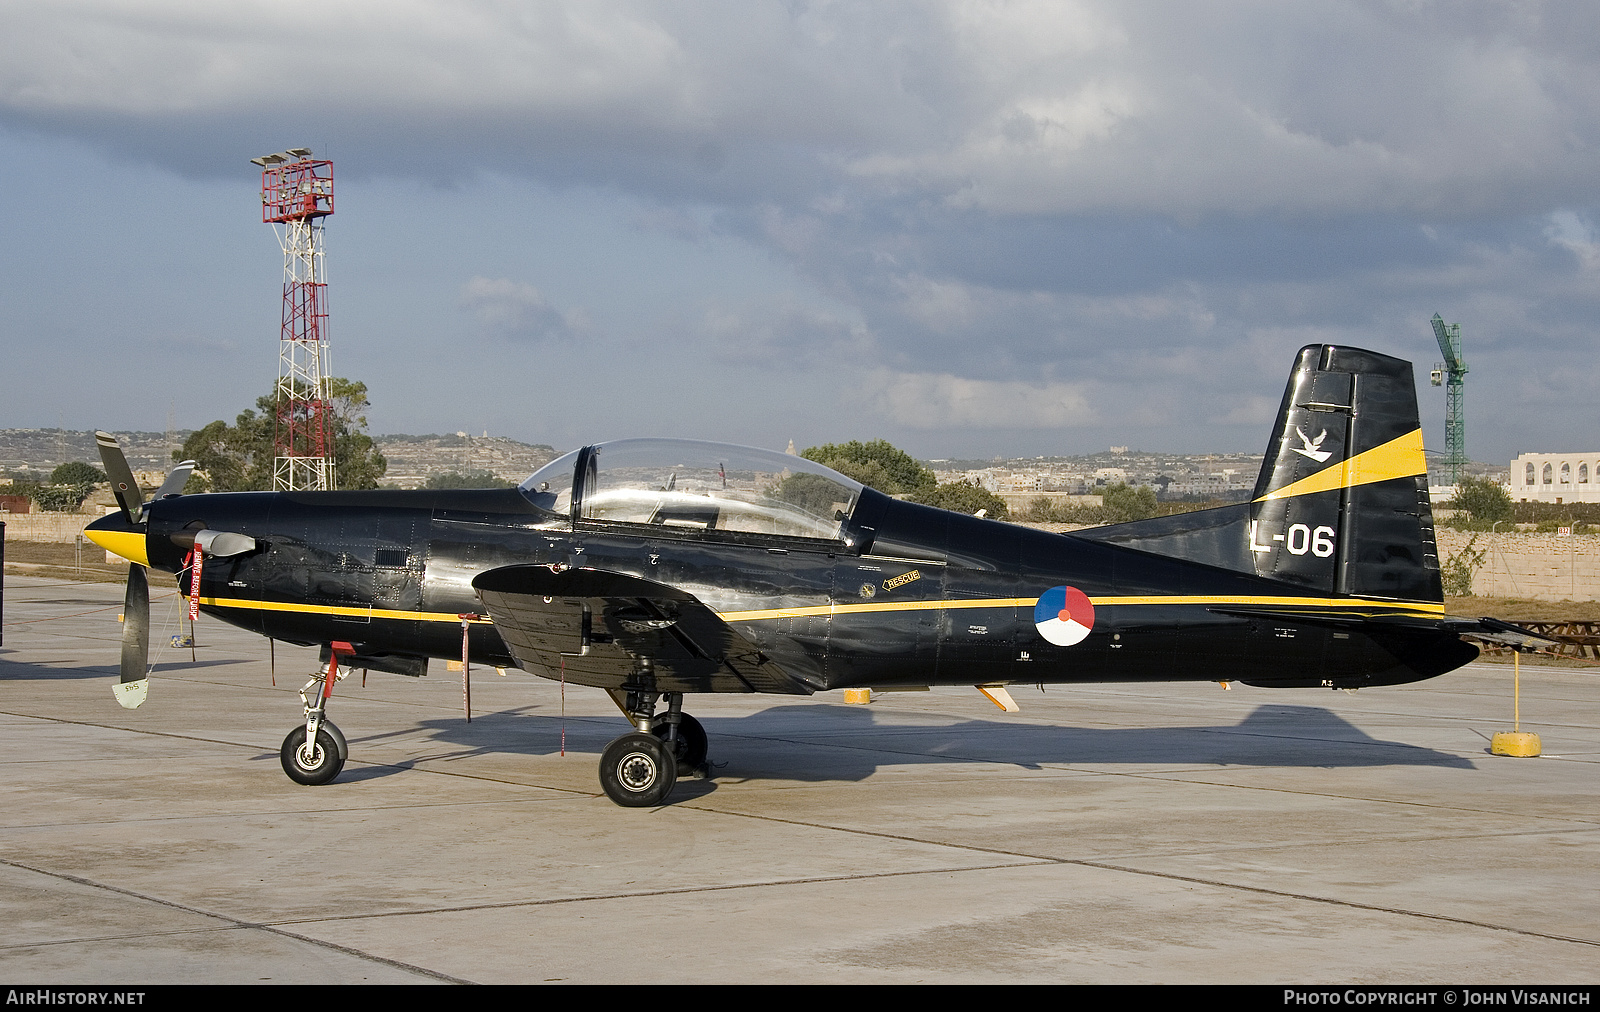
x=1064 y=616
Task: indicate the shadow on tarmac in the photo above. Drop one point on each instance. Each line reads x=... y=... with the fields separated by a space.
x=12 y=671
x=822 y=742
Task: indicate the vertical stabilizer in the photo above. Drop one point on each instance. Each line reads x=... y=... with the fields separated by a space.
x=1341 y=505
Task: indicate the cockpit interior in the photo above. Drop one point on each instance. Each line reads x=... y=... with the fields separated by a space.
x=682 y=483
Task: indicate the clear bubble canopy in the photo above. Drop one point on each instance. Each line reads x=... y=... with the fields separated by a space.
x=688 y=483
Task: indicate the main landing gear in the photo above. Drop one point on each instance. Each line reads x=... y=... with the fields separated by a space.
x=639 y=769
x=314 y=753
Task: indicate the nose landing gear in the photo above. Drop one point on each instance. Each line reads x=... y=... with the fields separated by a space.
x=315 y=753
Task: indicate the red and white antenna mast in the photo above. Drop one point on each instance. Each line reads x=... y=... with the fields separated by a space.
x=296 y=192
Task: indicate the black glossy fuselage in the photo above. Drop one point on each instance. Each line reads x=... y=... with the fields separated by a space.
x=915 y=596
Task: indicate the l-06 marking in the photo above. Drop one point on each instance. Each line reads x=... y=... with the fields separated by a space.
x=1298 y=539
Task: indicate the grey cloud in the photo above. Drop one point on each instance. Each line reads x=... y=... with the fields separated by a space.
x=780 y=331
x=517 y=309
x=923 y=400
x=1145 y=205
x=1022 y=108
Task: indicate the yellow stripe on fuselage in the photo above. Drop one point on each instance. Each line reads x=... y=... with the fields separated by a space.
x=1310 y=603
x=1320 y=603
x=1398 y=458
x=342 y=611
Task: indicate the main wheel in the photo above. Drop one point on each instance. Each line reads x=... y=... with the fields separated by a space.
x=692 y=744
x=637 y=770
x=327 y=759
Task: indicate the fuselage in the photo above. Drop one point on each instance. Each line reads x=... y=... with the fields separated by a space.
x=909 y=595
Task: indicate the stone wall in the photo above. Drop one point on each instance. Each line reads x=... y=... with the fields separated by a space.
x=1540 y=567
x=58 y=527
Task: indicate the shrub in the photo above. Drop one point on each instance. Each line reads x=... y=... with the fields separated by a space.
x=61 y=498
x=1458 y=570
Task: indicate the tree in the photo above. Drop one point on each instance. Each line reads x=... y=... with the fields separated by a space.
x=240 y=457
x=468 y=479
x=77 y=473
x=357 y=458
x=230 y=458
x=1124 y=502
x=964 y=497
x=1484 y=500
x=61 y=498
x=878 y=464
x=813 y=493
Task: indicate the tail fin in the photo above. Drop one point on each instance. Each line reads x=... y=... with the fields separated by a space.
x=1341 y=505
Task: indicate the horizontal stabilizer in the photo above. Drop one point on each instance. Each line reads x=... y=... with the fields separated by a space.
x=1493 y=630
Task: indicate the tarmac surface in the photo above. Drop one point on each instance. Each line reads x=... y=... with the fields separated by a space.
x=1107 y=834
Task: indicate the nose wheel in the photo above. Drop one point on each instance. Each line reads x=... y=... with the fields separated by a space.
x=318 y=764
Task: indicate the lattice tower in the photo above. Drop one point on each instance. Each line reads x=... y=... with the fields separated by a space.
x=296 y=194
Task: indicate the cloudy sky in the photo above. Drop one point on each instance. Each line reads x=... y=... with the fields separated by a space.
x=972 y=228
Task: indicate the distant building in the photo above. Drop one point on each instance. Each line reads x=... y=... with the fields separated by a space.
x=1556 y=477
x=1212 y=486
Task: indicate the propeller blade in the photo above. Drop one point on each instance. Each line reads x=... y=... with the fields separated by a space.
x=135 y=683
x=176 y=479
x=116 y=467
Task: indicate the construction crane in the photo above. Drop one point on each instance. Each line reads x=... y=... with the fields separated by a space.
x=1452 y=375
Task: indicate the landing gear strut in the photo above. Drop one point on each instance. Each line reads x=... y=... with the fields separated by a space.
x=639 y=769
x=691 y=745
x=315 y=752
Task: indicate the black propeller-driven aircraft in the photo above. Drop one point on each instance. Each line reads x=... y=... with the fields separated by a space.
x=654 y=568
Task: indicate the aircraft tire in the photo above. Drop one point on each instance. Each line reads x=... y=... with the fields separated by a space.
x=692 y=742
x=338 y=739
x=327 y=764
x=637 y=770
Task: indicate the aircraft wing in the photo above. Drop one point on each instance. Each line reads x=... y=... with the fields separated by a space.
x=588 y=625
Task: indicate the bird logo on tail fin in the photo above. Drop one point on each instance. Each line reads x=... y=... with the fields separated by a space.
x=1312 y=448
